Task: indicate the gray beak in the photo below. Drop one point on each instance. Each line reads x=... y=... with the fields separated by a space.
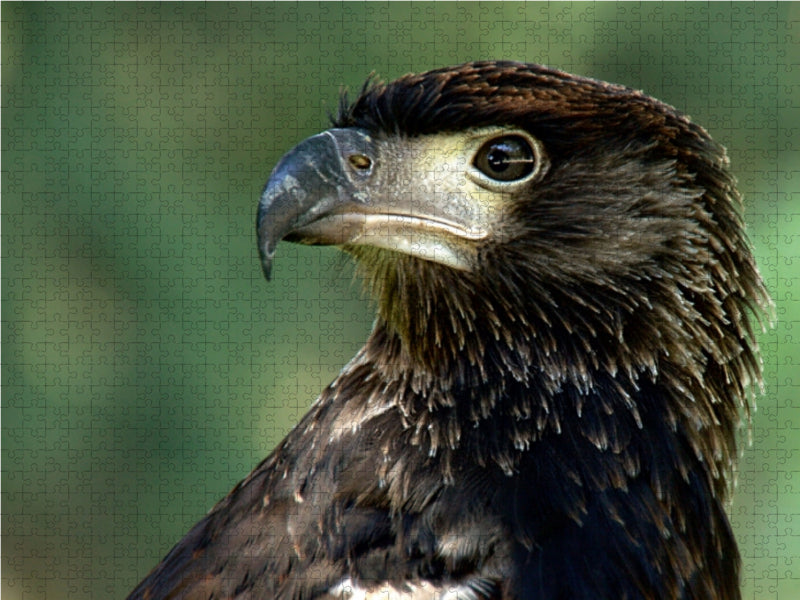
x=311 y=181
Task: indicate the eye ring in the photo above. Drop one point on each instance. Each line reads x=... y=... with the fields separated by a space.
x=508 y=160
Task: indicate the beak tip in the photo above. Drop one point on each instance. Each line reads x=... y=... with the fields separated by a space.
x=266 y=264
x=266 y=254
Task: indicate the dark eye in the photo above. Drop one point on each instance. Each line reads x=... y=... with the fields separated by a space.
x=506 y=158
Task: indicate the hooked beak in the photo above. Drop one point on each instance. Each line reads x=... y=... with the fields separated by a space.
x=329 y=190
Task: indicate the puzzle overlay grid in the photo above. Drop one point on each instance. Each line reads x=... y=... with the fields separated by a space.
x=147 y=365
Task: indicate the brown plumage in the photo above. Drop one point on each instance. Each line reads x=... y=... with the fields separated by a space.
x=547 y=404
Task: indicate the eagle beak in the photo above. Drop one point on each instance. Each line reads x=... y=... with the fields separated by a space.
x=342 y=187
x=309 y=183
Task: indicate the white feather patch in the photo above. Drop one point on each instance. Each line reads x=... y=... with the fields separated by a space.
x=422 y=590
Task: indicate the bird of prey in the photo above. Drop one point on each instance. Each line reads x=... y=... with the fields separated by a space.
x=547 y=404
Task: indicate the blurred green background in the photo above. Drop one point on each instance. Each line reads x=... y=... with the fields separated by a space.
x=147 y=366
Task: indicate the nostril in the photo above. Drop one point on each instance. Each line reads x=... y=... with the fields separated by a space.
x=360 y=162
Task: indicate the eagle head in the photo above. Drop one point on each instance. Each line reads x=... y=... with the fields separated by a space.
x=511 y=216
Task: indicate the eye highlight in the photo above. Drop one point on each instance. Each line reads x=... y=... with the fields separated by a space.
x=506 y=158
